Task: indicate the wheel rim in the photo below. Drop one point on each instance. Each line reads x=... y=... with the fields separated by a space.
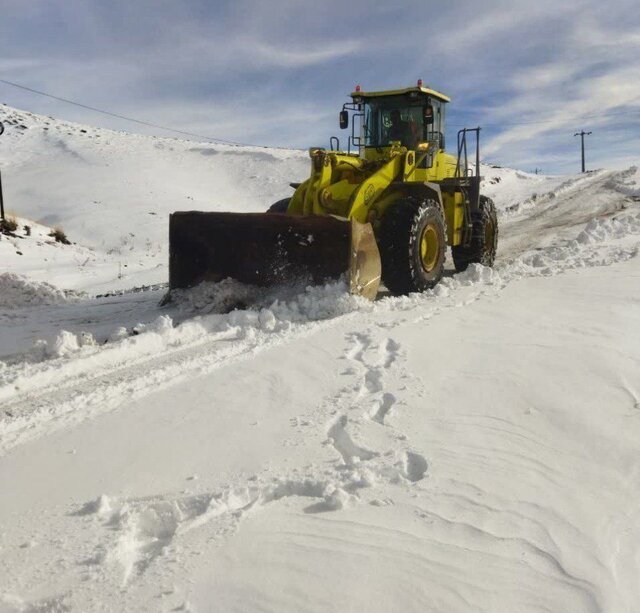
x=429 y=247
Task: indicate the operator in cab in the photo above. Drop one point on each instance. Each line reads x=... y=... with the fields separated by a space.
x=402 y=130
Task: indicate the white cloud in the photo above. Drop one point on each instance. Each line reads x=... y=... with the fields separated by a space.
x=590 y=81
x=281 y=56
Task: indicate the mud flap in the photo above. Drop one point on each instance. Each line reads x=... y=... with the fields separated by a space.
x=271 y=249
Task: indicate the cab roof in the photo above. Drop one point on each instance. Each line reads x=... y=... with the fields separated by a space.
x=406 y=90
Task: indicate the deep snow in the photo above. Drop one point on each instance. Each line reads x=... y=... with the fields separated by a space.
x=471 y=448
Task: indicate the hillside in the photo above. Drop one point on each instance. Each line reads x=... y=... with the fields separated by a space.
x=112 y=193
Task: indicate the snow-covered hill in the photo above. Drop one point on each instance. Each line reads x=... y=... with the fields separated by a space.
x=473 y=448
x=112 y=192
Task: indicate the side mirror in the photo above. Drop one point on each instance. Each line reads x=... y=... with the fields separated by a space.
x=428 y=115
x=344 y=120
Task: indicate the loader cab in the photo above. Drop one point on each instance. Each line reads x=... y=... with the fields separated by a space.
x=410 y=116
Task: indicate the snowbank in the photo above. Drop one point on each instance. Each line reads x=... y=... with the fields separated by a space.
x=627 y=182
x=268 y=308
x=17 y=291
x=601 y=230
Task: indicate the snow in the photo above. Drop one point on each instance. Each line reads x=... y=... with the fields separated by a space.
x=112 y=192
x=474 y=447
x=17 y=291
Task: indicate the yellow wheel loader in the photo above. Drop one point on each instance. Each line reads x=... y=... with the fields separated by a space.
x=382 y=212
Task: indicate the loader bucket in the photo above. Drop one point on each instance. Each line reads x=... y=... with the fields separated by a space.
x=271 y=249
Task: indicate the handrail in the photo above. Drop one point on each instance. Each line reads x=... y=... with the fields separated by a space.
x=463 y=151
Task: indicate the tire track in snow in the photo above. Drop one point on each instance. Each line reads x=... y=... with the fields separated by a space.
x=561 y=210
x=71 y=391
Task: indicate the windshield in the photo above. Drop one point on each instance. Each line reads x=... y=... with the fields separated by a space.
x=396 y=118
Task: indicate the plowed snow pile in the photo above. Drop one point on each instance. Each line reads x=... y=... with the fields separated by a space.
x=472 y=448
x=17 y=291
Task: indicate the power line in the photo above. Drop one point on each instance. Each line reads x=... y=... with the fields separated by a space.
x=230 y=142
x=132 y=119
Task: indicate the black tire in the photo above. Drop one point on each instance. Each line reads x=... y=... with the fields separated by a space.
x=406 y=267
x=279 y=207
x=484 y=238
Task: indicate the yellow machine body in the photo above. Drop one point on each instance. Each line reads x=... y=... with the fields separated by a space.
x=363 y=188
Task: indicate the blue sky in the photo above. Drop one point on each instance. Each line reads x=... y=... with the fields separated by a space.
x=276 y=73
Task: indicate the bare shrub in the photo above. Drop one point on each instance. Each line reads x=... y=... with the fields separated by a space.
x=8 y=225
x=60 y=236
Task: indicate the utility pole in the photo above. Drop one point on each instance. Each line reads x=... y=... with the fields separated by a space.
x=1 y=199
x=582 y=134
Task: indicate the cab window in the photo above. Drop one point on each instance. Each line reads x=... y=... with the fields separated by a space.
x=398 y=118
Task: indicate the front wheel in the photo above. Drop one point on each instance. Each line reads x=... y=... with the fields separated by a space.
x=484 y=238
x=412 y=242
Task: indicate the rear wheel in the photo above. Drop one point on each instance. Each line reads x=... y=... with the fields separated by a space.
x=412 y=241
x=279 y=207
x=484 y=238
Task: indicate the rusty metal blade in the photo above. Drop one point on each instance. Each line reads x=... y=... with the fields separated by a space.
x=256 y=248
x=271 y=249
